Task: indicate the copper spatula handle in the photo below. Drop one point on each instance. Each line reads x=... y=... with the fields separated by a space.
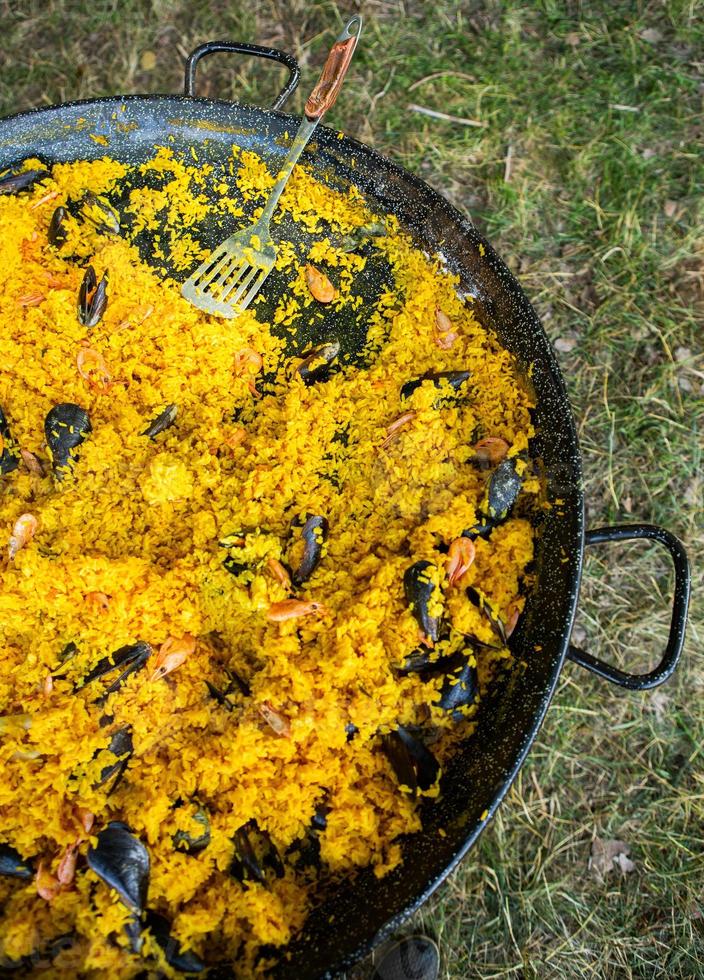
x=326 y=91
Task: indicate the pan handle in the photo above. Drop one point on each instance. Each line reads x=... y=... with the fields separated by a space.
x=675 y=641
x=235 y=47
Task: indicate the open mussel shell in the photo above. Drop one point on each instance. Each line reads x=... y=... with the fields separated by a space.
x=57 y=227
x=220 y=696
x=98 y=211
x=12 y=864
x=161 y=422
x=122 y=861
x=13 y=183
x=235 y=686
x=478 y=599
x=134 y=932
x=314 y=532
x=305 y=851
x=419 y=588
x=416 y=662
x=92 y=298
x=196 y=840
x=479 y=530
x=160 y=928
x=455 y=379
x=413 y=763
x=316 y=362
x=459 y=690
x=131 y=657
x=9 y=453
x=120 y=745
x=65 y=428
x=255 y=855
x=40 y=959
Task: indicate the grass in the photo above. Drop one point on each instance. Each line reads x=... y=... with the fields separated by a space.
x=599 y=211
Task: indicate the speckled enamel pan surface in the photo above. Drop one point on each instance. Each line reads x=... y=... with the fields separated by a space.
x=362 y=912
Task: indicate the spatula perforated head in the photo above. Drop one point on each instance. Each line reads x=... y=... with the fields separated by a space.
x=232 y=275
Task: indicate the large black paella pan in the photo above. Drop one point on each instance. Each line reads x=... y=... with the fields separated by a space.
x=353 y=918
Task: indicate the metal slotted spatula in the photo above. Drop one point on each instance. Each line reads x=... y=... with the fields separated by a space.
x=232 y=275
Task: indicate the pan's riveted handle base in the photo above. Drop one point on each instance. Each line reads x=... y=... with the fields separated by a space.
x=236 y=47
x=680 y=604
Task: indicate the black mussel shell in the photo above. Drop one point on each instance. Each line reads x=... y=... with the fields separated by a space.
x=192 y=842
x=415 y=662
x=132 y=657
x=120 y=745
x=68 y=652
x=414 y=764
x=122 y=861
x=240 y=561
x=305 y=851
x=162 y=421
x=39 y=960
x=503 y=490
x=13 y=183
x=219 y=696
x=454 y=378
x=316 y=362
x=9 y=454
x=92 y=298
x=478 y=531
x=234 y=567
x=422 y=661
x=65 y=428
x=478 y=599
x=319 y=822
x=160 y=928
x=419 y=589
x=235 y=683
x=12 y=864
x=98 y=211
x=133 y=931
x=57 y=229
x=255 y=855
x=459 y=690
x=314 y=533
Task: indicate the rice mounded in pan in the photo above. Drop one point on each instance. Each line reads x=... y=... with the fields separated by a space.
x=257 y=574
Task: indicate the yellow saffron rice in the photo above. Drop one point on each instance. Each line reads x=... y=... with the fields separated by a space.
x=131 y=546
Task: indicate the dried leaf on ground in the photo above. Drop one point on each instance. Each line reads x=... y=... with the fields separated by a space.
x=607 y=855
x=651 y=35
x=565 y=344
x=657 y=703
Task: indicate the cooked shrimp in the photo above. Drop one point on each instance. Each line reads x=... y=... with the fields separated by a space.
x=460 y=556
x=173 y=652
x=279 y=612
